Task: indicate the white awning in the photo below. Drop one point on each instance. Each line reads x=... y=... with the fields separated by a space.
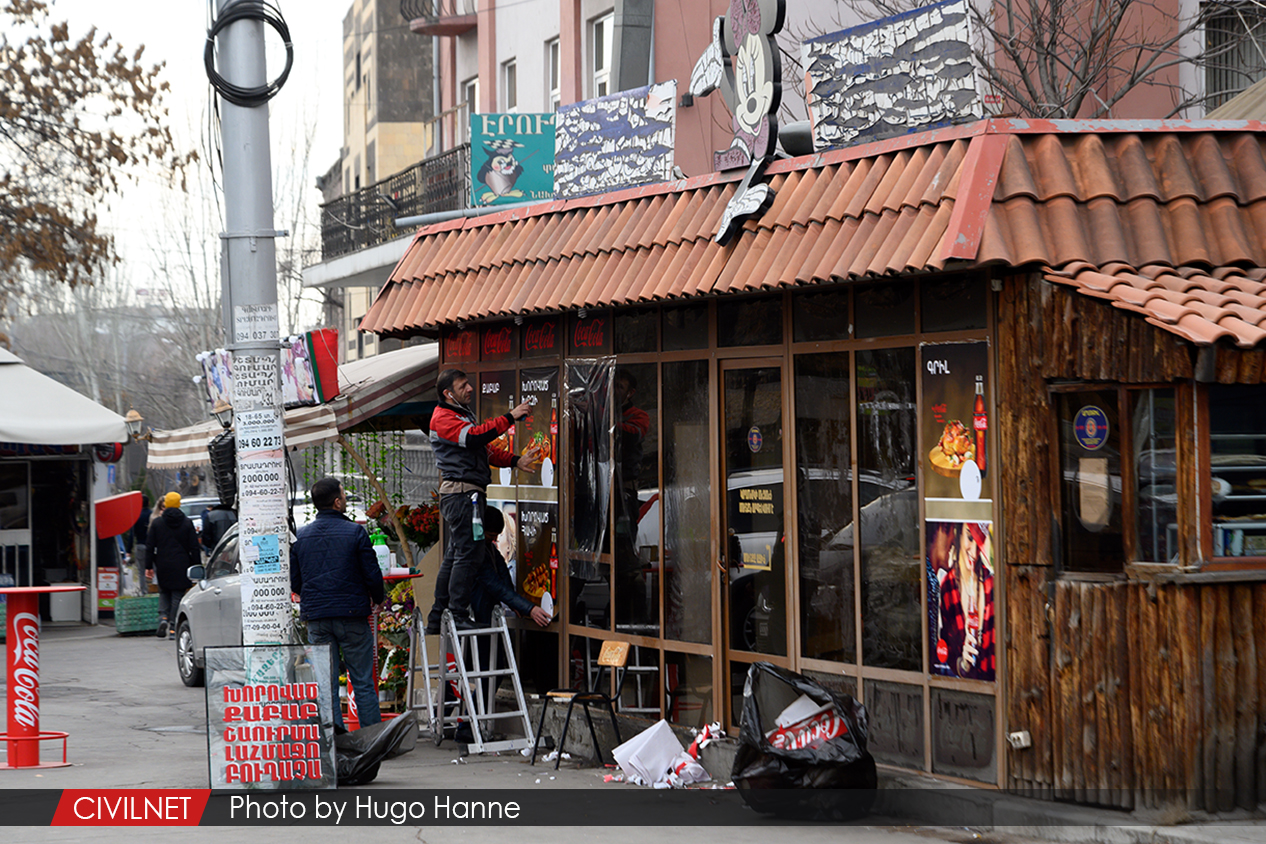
x=185 y=447
x=40 y=411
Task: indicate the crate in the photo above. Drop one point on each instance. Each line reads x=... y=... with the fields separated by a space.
x=136 y=615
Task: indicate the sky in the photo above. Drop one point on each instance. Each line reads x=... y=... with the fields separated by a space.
x=174 y=32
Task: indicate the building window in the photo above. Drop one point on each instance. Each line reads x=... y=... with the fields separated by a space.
x=1090 y=483
x=603 y=37
x=358 y=70
x=1237 y=456
x=553 y=77
x=470 y=96
x=510 y=86
x=1234 y=53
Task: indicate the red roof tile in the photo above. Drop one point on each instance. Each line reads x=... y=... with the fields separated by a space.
x=1166 y=220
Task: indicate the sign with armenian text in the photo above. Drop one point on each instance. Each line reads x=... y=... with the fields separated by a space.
x=511 y=158
x=270 y=718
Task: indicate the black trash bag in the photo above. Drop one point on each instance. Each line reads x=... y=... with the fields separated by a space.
x=815 y=771
x=360 y=752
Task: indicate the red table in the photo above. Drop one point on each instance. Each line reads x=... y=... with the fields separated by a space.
x=22 y=669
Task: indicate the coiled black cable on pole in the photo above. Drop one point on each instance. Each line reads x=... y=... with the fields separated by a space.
x=254 y=10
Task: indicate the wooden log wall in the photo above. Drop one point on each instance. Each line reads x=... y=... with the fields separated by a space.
x=1136 y=694
x=1160 y=690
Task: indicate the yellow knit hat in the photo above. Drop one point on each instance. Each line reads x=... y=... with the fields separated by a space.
x=171 y=499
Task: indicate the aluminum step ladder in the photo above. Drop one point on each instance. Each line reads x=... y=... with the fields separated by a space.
x=468 y=677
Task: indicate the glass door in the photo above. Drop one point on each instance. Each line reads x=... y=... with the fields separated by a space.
x=753 y=549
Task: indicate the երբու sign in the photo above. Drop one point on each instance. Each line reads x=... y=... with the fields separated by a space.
x=511 y=158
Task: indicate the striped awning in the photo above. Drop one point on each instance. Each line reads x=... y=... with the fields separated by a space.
x=367 y=387
x=373 y=385
x=185 y=447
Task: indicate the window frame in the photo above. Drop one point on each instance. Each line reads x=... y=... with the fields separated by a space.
x=601 y=51
x=510 y=86
x=553 y=73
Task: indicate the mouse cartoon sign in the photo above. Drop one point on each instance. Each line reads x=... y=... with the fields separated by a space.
x=511 y=158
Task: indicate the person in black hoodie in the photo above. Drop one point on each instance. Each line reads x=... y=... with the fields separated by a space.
x=173 y=548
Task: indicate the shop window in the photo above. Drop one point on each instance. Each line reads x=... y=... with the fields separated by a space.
x=1156 y=494
x=686 y=501
x=888 y=499
x=640 y=695
x=1237 y=455
x=685 y=328
x=636 y=331
x=954 y=304
x=825 y=496
x=636 y=461
x=688 y=689
x=885 y=309
x=749 y=322
x=820 y=316
x=1090 y=483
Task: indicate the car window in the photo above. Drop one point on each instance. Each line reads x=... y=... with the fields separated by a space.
x=224 y=562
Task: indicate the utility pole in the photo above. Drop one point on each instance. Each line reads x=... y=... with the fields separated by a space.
x=249 y=291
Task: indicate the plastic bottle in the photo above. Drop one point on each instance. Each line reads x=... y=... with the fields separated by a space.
x=980 y=422
x=477 y=518
x=379 y=540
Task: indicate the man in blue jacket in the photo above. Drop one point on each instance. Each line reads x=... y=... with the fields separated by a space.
x=335 y=572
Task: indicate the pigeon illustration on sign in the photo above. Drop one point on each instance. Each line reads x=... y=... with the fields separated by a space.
x=500 y=172
x=743 y=62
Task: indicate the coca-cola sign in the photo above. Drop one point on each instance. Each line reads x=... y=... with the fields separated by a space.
x=589 y=334
x=24 y=685
x=460 y=346
x=540 y=338
x=498 y=342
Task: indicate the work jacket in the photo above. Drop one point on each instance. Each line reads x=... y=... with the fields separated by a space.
x=464 y=450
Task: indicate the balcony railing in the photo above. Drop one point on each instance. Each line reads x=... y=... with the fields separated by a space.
x=367 y=216
x=440 y=17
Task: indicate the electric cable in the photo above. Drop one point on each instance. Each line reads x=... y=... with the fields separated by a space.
x=250 y=10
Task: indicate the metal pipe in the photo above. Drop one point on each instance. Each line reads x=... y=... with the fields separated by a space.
x=420 y=220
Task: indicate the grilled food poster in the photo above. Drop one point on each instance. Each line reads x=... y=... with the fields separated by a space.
x=536 y=571
x=956 y=456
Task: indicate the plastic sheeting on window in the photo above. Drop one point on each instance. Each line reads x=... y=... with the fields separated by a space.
x=588 y=415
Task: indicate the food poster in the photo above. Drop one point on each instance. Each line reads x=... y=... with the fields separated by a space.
x=960 y=571
x=537 y=570
x=539 y=387
x=497 y=398
x=956 y=456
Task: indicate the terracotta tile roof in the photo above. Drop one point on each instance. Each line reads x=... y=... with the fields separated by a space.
x=1164 y=219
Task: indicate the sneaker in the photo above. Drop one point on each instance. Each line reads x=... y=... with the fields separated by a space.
x=162 y=628
x=171 y=637
x=466 y=622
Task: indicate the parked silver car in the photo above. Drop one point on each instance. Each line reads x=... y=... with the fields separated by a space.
x=210 y=613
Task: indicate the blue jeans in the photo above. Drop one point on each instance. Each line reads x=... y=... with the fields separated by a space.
x=354 y=637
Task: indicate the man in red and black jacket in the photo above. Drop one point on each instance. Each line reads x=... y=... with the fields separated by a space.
x=464 y=451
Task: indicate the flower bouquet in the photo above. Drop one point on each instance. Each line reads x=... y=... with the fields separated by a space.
x=421 y=524
x=393 y=638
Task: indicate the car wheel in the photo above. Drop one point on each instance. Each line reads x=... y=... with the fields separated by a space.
x=190 y=673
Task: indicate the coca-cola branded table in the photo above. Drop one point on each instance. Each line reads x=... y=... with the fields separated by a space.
x=22 y=670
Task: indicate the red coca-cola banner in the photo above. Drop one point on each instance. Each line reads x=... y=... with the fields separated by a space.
x=24 y=674
x=592 y=335
x=540 y=338
x=461 y=346
x=497 y=343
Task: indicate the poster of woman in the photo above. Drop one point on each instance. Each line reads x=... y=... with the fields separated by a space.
x=960 y=599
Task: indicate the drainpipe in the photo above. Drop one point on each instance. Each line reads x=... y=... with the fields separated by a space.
x=436 y=106
x=443 y=216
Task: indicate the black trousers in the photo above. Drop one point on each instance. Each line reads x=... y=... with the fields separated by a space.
x=462 y=555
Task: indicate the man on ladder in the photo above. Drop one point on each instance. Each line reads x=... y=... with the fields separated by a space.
x=464 y=452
